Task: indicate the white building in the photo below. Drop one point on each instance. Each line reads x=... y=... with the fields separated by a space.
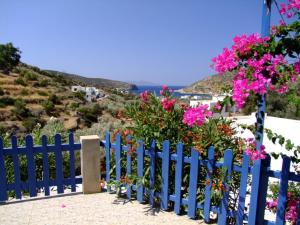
x=90 y=92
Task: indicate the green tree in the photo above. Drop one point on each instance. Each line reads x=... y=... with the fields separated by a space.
x=9 y=57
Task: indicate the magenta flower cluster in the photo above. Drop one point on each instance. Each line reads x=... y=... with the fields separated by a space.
x=291 y=207
x=253 y=152
x=196 y=116
x=145 y=96
x=168 y=104
x=255 y=72
x=290 y=9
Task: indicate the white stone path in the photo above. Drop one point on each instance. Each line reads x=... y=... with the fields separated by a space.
x=102 y=208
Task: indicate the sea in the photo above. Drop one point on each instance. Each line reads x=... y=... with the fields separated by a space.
x=156 y=90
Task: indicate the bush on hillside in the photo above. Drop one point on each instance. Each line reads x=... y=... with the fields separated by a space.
x=49 y=107
x=9 y=57
x=20 y=109
x=90 y=115
x=24 y=92
x=20 y=81
x=80 y=95
x=1 y=92
x=6 y=100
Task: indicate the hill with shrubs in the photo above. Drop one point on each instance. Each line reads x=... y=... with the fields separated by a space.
x=31 y=98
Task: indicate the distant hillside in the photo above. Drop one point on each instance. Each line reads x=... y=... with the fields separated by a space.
x=29 y=95
x=210 y=85
x=96 y=82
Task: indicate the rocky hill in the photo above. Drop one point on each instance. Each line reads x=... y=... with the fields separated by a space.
x=213 y=84
x=96 y=82
x=29 y=96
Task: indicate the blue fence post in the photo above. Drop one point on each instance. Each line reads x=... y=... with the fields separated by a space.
x=15 y=156
x=243 y=190
x=207 y=198
x=31 y=166
x=118 y=156
x=3 y=181
x=152 y=151
x=178 y=178
x=140 y=170
x=72 y=162
x=223 y=210
x=262 y=192
x=58 y=164
x=165 y=175
x=283 y=189
x=45 y=165
x=260 y=117
x=128 y=166
x=107 y=159
x=194 y=170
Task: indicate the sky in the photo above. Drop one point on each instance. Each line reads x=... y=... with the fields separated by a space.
x=160 y=41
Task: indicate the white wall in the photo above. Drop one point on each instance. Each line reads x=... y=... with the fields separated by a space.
x=290 y=129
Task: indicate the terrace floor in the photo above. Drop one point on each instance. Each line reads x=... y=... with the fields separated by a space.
x=102 y=208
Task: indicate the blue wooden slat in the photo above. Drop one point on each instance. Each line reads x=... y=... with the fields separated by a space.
x=72 y=162
x=17 y=183
x=194 y=170
x=58 y=164
x=223 y=212
x=140 y=170
x=107 y=158
x=128 y=167
x=165 y=175
x=207 y=199
x=3 y=181
x=152 y=171
x=118 y=156
x=262 y=192
x=45 y=166
x=243 y=190
x=178 y=178
x=284 y=182
x=31 y=166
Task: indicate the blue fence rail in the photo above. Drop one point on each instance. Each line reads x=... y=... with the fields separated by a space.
x=240 y=214
x=32 y=185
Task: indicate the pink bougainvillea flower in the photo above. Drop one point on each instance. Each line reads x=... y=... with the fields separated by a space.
x=297 y=67
x=226 y=61
x=282 y=10
x=218 y=106
x=196 y=116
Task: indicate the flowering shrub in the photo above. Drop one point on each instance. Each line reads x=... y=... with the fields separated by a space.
x=253 y=152
x=262 y=63
x=293 y=198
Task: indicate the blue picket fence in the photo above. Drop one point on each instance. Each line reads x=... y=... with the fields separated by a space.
x=32 y=185
x=240 y=214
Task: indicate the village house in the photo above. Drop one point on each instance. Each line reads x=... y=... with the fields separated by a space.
x=90 y=92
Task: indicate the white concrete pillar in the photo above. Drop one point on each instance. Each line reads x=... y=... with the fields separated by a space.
x=90 y=164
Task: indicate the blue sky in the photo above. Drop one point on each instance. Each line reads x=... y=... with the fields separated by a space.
x=161 y=41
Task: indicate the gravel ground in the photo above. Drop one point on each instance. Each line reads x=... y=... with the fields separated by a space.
x=102 y=208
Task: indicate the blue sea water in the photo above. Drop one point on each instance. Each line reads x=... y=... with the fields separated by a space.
x=156 y=90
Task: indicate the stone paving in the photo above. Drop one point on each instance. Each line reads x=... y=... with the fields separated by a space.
x=102 y=208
